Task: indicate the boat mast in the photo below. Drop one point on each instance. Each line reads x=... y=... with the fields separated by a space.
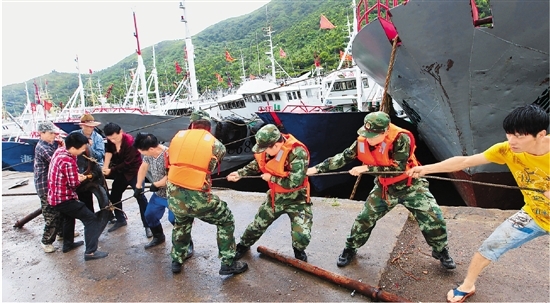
x=242 y=66
x=80 y=88
x=270 y=53
x=153 y=80
x=190 y=55
x=138 y=88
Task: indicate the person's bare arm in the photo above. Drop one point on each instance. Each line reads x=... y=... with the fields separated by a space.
x=450 y=165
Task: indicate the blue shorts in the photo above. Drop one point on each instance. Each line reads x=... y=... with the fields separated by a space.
x=515 y=231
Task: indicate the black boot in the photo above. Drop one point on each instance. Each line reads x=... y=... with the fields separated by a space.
x=444 y=258
x=346 y=257
x=240 y=251
x=236 y=268
x=176 y=267
x=158 y=236
x=300 y=254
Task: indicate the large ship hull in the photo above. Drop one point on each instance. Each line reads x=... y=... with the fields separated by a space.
x=325 y=134
x=457 y=82
x=234 y=133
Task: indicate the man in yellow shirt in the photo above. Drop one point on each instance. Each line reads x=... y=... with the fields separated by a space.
x=527 y=155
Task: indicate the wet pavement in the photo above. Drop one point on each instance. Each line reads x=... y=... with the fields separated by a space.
x=131 y=273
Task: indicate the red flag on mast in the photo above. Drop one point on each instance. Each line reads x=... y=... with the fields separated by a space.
x=228 y=57
x=325 y=24
x=348 y=56
x=47 y=105
x=316 y=60
x=178 y=68
x=282 y=53
x=90 y=70
x=219 y=77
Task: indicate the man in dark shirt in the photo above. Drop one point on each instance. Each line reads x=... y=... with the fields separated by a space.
x=122 y=162
x=63 y=180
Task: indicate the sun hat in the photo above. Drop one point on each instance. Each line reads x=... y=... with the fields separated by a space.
x=88 y=120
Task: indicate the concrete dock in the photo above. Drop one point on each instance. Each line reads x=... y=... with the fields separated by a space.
x=131 y=273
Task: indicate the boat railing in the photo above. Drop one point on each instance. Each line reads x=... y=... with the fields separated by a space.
x=379 y=9
x=475 y=16
x=119 y=110
x=302 y=108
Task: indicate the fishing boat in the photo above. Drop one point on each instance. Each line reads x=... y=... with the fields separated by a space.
x=81 y=102
x=327 y=128
x=457 y=76
x=164 y=118
x=20 y=136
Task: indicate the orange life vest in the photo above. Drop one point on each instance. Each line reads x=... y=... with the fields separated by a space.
x=381 y=156
x=276 y=167
x=189 y=154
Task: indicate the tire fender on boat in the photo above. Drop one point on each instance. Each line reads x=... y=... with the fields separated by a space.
x=231 y=129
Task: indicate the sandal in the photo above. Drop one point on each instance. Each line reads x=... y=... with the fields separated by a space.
x=459 y=293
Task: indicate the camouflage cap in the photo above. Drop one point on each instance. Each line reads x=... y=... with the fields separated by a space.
x=266 y=136
x=199 y=115
x=375 y=124
x=46 y=126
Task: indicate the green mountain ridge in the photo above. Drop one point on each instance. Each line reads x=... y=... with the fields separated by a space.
x=295 y=26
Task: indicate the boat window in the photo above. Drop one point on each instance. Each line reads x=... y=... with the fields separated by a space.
x=299 y=94
x=294 y=95
x=365 y=83
x=289 y=96
x=277 y=96
x=337 y=86
x=270 y=97
x=264 y=98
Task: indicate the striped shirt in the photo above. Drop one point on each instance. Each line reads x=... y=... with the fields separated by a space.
x=62 y=177
x=157 y=168
x=43 y=153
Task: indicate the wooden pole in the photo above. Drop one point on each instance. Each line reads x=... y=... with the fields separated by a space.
x=27 y=218
x=362 y=288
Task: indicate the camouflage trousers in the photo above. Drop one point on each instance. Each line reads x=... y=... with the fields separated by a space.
x=189 y=204
x=417 y=199
x=52 y=221
x=301 y=220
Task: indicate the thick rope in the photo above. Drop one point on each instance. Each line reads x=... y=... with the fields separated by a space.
x=426 y=177
x=355 y=187
x=345 y=172
x=387 y=100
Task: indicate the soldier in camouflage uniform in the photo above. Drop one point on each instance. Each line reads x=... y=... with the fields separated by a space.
x=390 y=149
x=194 y=199
x=283 y=162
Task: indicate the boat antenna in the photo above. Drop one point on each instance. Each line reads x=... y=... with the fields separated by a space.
x=190 y=54
x=242 y=66
x=258 y=53
x=270 y=52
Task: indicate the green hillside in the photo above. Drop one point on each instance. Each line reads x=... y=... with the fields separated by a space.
x=296 y=30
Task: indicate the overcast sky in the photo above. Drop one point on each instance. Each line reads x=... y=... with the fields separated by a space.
x=41 y=36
